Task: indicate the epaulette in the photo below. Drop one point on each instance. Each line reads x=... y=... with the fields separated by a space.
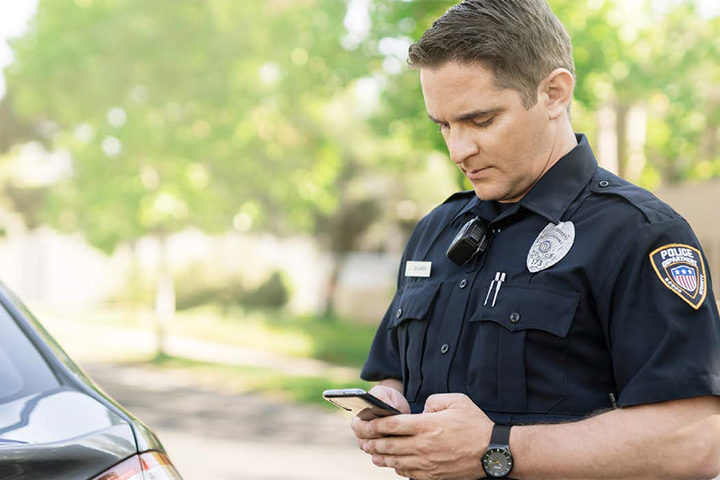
x=457 y=195
x=654 y=209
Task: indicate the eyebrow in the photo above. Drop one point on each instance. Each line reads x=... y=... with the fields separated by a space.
x=472 y=115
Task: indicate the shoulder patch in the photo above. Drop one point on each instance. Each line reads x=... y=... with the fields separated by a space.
x=681 y=269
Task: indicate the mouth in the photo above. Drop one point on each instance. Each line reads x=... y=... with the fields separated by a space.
x=475 y=174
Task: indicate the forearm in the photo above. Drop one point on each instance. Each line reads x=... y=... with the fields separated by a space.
x=671 y=440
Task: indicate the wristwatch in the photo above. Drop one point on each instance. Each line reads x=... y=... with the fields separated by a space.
x=498 y=461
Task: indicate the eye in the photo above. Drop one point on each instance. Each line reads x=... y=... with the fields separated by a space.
x=443 y=127
x=484 y=124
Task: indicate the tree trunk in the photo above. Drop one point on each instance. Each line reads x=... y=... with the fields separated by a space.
x=621 y=126
x=338 y=260
x=164 y=297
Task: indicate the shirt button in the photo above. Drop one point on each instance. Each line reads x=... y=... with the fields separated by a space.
x=604 y=184
x=444 y=348
x=495 y=231
x=399 y=312
x=514 y=317
x=463 y=283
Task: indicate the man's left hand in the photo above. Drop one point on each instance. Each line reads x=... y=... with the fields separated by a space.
x=446 y=441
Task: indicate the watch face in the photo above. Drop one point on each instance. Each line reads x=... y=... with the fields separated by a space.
x=497 y=462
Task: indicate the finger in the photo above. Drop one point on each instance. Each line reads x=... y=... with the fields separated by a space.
x=391 y=446
x=362 y=429
x=382 y=392
x=391 y=396
x=395 y=425
x=386 y=461
x=407 y=473
x=398 y=462
x=444 y=401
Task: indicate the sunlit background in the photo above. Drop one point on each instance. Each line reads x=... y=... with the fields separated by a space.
x=224 y=188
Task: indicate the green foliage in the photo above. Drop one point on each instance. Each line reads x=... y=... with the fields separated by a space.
x=272 y=293
x=187 y=115
x=215 y=113
x=341 y=341
x=271 y=382
x=197 y=287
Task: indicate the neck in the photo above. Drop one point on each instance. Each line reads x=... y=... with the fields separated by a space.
x=564 y=142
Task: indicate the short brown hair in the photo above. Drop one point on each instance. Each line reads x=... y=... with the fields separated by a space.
x=520 y=41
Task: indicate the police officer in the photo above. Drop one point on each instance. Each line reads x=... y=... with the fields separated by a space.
x=556 y=321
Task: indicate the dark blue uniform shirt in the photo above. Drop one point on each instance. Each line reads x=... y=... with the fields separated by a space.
x=629 y=309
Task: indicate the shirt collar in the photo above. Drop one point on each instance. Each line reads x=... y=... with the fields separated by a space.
x=555 y=191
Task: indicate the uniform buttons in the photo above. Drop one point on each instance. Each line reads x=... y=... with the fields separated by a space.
x=463 y=283
x=604 y=184
x=399 y=312
x=444 y=348
x=495 y=231
x=514 y=317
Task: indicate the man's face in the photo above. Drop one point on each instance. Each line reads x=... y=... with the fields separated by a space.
x=499 y=145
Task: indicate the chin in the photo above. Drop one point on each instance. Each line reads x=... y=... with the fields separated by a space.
x=487 y=195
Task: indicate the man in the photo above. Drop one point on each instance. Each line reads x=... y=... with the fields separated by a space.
x=582 y=340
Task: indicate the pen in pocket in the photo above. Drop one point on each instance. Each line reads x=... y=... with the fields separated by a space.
x=497 y=287
x=497 y=282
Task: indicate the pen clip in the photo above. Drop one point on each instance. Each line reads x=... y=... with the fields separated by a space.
x=497 y=278
x=497 y=287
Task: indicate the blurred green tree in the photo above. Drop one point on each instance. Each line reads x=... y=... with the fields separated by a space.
x=206 y=114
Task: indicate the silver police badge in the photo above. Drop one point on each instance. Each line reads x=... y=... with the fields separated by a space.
x=551 y=246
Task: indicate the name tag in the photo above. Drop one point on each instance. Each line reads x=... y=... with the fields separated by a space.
x=417 y=269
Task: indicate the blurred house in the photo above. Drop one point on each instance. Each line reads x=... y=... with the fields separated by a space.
x=45 y=267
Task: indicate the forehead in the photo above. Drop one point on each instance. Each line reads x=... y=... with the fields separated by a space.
x=454 y=87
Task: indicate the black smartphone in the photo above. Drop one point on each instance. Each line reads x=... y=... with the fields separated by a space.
x=361 y=403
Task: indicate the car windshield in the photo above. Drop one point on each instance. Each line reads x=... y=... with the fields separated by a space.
x=23 y=371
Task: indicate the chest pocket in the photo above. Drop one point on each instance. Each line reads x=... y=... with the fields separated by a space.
x=518 y=361
x=414 y=309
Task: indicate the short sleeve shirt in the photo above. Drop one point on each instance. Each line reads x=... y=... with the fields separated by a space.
x=624 y=307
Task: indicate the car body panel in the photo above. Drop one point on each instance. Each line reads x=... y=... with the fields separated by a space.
x=74 y=431
x=71 y=459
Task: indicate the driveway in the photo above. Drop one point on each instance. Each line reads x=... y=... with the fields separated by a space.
x=213 y=435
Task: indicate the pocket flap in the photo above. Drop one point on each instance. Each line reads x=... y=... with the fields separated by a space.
x=415 y=302
x=523 y=307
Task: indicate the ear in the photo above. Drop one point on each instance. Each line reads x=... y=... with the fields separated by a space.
x=557 y=90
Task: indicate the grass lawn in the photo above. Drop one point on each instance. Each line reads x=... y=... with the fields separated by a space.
x=338 y=341
x=306 y=389
x=96 y=337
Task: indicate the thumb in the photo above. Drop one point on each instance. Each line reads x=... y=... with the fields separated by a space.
x=444 y=401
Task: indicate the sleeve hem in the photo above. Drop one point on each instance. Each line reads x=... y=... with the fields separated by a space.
x=379 y=376
x=646 y=392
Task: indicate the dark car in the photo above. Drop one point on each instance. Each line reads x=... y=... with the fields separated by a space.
x=55 y=423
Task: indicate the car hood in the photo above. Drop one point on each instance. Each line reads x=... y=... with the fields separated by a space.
x=61 y=434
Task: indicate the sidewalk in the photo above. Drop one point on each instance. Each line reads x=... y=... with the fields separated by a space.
x=219 y=436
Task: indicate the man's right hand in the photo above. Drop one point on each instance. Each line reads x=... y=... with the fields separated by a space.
x=387 y=394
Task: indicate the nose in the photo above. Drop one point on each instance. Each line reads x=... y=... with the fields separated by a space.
x=461 y=145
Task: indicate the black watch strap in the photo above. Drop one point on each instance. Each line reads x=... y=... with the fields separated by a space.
x=500 y=435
